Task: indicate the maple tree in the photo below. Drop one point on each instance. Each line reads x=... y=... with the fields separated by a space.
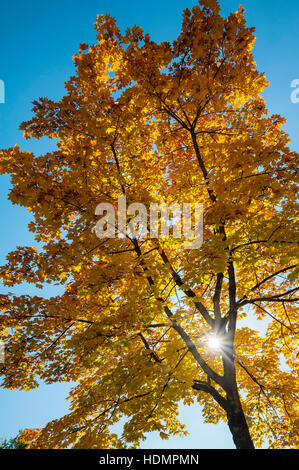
x=172 y=122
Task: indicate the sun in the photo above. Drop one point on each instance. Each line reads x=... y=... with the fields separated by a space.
x=214 y=342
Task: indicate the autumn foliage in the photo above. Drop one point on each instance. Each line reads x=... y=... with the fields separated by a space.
x=170 y=122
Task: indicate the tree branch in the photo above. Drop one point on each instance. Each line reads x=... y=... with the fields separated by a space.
x=207 y=388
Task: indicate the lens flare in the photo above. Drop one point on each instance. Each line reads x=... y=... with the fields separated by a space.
x=214 y=342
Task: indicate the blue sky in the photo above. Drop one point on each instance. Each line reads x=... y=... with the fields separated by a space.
x=38 y=41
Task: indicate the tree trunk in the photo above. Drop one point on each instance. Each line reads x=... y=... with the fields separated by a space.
x=237 y=422
x=235 y=416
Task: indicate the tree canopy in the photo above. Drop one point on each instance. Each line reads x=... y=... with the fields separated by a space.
x=170 y=122
x=12 y=443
